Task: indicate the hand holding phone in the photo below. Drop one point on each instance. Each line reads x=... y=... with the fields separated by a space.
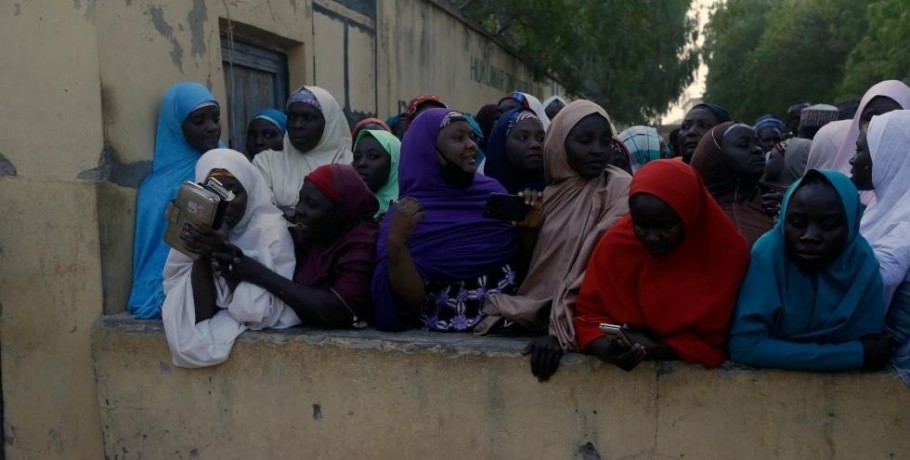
x=502 y=206
x=616 y=333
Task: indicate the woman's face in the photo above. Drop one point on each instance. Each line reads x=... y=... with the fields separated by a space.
x=237 y=207
x=656 y=225
x=589 y=146
x=372 y=162
x=768 y=138
x=861 y=164
x=815 y=227
x=305 y=126
x=696 y=124
x=262 y=135
x=202 y=128
x=524 y=145
x=315 y=213
x=741 y=150
x=879 y=105
x=456 y=144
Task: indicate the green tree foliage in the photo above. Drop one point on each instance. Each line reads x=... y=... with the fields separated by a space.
x=884 y=53
x=764 y=55
x=632 y=57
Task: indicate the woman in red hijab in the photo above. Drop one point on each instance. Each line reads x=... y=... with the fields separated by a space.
x=668 y=272
x=335 y=245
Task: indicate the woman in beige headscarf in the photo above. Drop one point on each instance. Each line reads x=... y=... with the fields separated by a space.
x=584 y=197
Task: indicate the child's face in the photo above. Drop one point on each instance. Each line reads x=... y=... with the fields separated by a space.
x=815 y=227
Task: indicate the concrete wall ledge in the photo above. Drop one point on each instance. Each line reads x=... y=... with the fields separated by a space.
x=308 y=393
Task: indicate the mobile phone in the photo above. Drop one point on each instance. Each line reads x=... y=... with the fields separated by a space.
x=616 y=333
x=506 y=207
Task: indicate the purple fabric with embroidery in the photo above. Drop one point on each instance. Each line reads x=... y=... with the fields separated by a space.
x=454 y=241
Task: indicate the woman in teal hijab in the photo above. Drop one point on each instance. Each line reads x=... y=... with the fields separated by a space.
x=376 y=154
x=812 y=298
x=189 y=124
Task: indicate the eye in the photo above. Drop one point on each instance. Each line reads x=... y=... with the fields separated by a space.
x=797 y=221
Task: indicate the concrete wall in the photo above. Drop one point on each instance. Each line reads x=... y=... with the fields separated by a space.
x=345 y=394
x=79 y=99
x=50 y=283
x=425 y=46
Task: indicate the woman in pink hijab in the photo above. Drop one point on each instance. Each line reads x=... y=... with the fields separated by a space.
x=881 y=98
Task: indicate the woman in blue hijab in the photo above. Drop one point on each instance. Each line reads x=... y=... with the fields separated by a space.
x=812 y=298
x=266 y=131
x=189 y=124
x=515 y=152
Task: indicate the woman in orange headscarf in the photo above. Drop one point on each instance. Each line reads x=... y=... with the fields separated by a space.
x=669 y=272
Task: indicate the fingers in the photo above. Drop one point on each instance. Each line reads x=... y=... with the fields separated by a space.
x=551 y=364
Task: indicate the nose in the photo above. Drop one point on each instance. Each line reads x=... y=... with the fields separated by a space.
x=812 y=234
x=853 y=160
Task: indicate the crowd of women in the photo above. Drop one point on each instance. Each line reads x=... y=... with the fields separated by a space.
x=782 y=244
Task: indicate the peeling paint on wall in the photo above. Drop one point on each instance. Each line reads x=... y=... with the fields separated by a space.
x=166 y=31
x=111 y=169
x=196 y=19
x=6 y=167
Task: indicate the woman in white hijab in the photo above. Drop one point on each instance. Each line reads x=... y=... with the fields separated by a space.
x=205 y=307
x=317 y=134
x=882 y=163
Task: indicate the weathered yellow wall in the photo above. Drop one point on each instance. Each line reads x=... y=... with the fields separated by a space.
x=425 y=395
x=423 y=47
x=50 y=284
x=79 y=98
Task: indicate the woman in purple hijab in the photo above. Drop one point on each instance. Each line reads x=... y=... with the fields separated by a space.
x=437 y=257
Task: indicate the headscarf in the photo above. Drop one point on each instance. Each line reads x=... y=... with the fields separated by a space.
x=498 y=165
x=685 y=297
x=389 y=192
x=284 y=170
x=796 y=152
x=275 y=117
x=886 y=223
x=262 y=235
x=478 y=139
x=394 y=119
x=840 y=303
x=454 y=241
x=172 y=165
x=420 y=100
x=531 y=103
x=743 y=206
x=721 y=113
x=643 y=144
x=368 y=121
x=840 y=160
x=552 y=99
x=825 y=144
x=576 y=212
x=343 y=265
x=770 y=121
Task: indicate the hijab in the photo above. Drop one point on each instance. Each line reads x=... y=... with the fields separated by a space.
x=418 y=101
x=722 y=114
x=498 y=165
x=368 y=121
x=453 y=241
x=842 y=302
x=531 y=103
x=643 y=144
x=320 y=264
x=684 y=297
x=275 y=117
x=886 y=223
x=796 y=153
x=392 y=146
x=770 y=121
x=743 y=206
x=576 y=212
x=262 y=235
x=284 y=170
x=172 y=165
x=839 y=160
